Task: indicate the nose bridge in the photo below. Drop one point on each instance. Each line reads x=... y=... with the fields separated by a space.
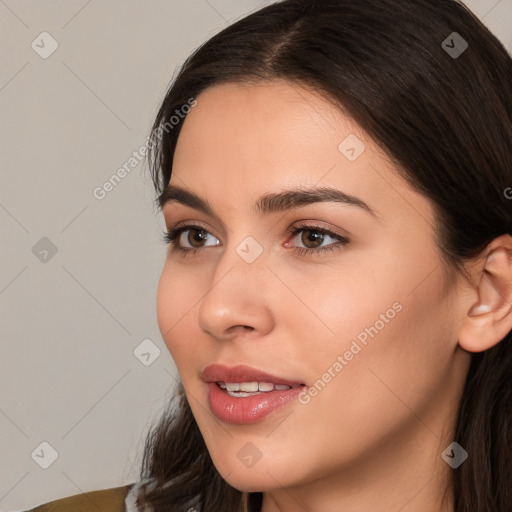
x=237 y=292
x=242 y=260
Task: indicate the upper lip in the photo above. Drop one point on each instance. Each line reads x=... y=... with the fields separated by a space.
x=243 y=373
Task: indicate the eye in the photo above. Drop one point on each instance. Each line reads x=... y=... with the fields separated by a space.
x=191 y=234
x=189 y=238
x=312 y=237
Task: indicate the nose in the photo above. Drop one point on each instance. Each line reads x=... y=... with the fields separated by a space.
x=237 y=301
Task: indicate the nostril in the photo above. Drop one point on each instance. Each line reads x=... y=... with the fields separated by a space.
x=241 y=327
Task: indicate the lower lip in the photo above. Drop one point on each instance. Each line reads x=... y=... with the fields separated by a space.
x=249 y=409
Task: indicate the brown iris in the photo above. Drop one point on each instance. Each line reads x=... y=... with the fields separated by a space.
x=308 y=238
x=199 y=236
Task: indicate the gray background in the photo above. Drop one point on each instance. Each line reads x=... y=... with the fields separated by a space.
x=72 y=322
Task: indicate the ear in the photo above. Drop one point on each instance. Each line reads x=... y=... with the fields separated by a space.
x=489 y=319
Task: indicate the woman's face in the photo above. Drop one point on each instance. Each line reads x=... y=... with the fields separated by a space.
x=359 y=316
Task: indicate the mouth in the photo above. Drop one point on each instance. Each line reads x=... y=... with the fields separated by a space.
x=245 y=379
x=244 y=389
x=244 y=395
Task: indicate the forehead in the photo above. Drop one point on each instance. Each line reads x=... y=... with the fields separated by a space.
x=268 y=129
x=246 y=139
x=273 y=113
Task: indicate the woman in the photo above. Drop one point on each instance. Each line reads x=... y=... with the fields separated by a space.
x=335 y=178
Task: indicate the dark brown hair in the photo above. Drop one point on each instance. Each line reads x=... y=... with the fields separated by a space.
x=444 y=119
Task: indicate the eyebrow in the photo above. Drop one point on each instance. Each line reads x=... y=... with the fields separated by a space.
x=270 y=202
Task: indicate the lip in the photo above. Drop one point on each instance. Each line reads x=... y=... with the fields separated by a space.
x=242 y=373
x=249 y=409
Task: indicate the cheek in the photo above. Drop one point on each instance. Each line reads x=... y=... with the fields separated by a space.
x=395 y=350
x=391 y=326
x=176 y=296
x=321 y=310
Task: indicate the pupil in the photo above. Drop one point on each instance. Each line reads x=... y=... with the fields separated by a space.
x=313 y=236
x=198 y=237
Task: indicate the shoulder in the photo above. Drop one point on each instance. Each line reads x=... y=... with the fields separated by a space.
x=107 y=500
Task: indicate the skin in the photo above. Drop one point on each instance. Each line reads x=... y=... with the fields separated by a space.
x=372 y=438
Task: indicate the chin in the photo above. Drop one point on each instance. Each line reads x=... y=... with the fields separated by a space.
x=250 y=482
x=259 y=478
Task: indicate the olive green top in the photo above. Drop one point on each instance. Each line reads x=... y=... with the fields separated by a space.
x=107 y=500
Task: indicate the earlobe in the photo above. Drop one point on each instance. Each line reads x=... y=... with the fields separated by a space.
x=489 y=319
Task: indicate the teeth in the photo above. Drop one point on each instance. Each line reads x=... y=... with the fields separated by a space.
x=265 y=386
x=250 y=388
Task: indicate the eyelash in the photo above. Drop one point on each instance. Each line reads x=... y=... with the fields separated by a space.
x=173 y=235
